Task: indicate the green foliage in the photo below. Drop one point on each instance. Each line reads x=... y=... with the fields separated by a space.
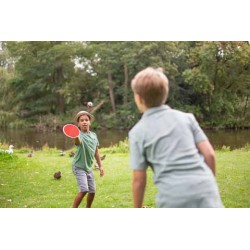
x=123 y=118
x=193 y=109
x=6 y=157
x=7 y=110
x=6 y=117
x=225 y=148
x=218 y=74
x=127 y=118
x=49 y=78
x=246 y=148
x=198 y=80
x=23 y=150
x=16 y=124
x=49 y=150
x=122 y=147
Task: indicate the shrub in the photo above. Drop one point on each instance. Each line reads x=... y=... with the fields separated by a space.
x=4 y=156
x=121 y=147
x=225 y=149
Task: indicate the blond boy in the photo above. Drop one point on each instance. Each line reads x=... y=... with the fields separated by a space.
x=172 y=143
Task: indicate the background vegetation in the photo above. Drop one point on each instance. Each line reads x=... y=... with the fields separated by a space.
x=43 y=84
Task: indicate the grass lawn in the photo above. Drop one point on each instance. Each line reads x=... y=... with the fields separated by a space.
x=29 y=183
x=233 y=176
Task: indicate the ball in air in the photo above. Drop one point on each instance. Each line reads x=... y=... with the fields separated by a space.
x=89 y=104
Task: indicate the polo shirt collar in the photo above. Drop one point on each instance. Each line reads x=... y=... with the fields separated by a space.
x=154 y=110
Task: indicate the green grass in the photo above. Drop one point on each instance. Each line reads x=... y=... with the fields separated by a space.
x=29 y=182
x=233 y=176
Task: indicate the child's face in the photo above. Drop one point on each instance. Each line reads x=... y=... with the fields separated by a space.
x=84 y=123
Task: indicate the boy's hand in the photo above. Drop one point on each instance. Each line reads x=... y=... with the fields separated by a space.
x=101 y=171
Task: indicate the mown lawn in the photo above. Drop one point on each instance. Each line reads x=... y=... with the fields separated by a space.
x=233 y=176
x=29 y=183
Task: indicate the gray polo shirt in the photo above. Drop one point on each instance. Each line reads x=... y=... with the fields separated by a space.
x=165 y=139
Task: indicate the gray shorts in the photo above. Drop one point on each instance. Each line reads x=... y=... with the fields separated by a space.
x=194 y=191
x=85 y=180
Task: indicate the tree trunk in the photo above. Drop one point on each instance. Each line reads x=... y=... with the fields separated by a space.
x=111 y=91
x=58 y=81
x=211 y=95
x=245 y=107
x=215 y=77
x=125 y=97
x=98 y=106
x=60 y=105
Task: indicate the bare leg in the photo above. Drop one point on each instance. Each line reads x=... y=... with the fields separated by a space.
x=78 y=199
x=90 y=199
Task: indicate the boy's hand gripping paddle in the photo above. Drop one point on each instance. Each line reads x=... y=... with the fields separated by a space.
x=71 y=130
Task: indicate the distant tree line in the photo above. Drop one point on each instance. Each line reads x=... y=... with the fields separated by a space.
x=48 y=82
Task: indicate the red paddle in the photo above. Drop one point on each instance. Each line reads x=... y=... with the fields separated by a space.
x=71 y=130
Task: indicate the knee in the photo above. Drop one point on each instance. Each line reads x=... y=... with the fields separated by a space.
x=82 y=194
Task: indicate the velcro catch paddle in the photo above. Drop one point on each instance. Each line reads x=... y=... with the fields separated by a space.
x=71 y=130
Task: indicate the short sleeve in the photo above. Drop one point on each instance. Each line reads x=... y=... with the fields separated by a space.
x=137 y=154
x=97 y=142
x=198 y=133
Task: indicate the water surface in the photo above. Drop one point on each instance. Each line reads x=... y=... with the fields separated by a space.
x=31 y=138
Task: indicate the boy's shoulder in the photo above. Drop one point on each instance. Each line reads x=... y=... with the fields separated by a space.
x=177 y=111
x=173 y=114
x=90 y=133
x=182 y=113
x=93 y=134
x=137 y=129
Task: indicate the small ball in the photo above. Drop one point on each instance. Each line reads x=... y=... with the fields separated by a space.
x=89 y=104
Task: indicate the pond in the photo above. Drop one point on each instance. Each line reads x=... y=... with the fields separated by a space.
x=36 y=140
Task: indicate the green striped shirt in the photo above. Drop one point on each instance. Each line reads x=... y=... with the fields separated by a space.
x=85 y=152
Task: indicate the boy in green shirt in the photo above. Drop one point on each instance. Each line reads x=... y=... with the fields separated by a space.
x=87 y=149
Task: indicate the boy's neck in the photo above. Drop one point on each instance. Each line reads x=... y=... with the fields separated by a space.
x=144 y=109
x=85 y=131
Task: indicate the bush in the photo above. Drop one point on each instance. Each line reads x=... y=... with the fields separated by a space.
x=225 y=149
x=4 y=156
x=246 y=148
x=121 y=147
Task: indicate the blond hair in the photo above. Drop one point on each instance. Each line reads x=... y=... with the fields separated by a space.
x=152 y=85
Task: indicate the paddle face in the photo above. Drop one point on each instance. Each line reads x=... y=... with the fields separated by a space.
x=71 y=130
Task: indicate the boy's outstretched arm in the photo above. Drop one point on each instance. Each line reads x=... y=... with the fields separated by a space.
x=77 y=141
x=138 y=186
x=207 y=151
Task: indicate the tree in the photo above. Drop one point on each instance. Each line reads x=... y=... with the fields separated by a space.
x=43 y=68
x=210 y=79
x=7 y=109
x=219 y=76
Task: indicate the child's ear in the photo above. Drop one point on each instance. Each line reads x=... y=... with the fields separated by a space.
x=139 y=99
